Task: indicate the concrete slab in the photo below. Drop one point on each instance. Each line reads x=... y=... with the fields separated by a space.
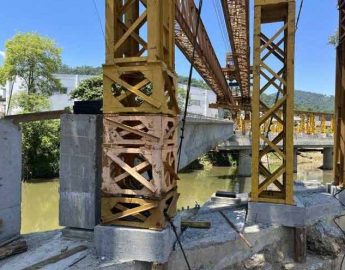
x=81 y=234
x=78 y=210
x=11 y=222
x=10 y=179
x=310 y=208
x=123 y=244
x=80 y=170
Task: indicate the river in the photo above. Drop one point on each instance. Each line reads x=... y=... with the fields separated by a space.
x=40 y=201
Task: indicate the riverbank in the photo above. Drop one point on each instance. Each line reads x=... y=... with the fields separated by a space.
x=220 y=247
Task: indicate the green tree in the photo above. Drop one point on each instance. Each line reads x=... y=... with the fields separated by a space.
x=40 y=139
x=92 y=89
x=334 y=39
x=89 y=89
x=85 y=70
x=33 y=59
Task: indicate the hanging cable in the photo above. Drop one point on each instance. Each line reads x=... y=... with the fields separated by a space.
x=99 y=17
x=299 y=14
x=189 y=84
x=221 y=24
x=178 y=238
x=10 y=97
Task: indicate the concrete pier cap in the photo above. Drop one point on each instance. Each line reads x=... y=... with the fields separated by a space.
x=124 y=244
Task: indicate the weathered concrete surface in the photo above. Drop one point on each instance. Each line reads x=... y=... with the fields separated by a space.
x=80 y=170
x=216 y=248
x=238 y=142
x=244 y=163
x=327 y=158
x=123 y=244
x=10 y=180
x=309 y=207
x=220 y=246
x=202 y=135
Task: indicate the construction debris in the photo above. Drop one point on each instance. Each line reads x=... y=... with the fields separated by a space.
x=13 y=249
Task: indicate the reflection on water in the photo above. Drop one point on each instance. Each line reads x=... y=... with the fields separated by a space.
x=40 y=206
x=40 y=201
x=198 y=186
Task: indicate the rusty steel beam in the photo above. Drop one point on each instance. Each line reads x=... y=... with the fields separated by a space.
x=206 y=61
x=236 y=14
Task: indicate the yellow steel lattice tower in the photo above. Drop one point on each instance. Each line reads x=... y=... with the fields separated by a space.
x=273 y=71
x=140 y=125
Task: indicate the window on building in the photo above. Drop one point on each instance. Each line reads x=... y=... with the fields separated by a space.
x=195 y=102
x=64 y=90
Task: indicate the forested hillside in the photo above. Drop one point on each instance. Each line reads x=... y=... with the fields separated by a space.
x=308 y=101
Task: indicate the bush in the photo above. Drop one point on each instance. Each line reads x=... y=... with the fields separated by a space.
x=40 y=140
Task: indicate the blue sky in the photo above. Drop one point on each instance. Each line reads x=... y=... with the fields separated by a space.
x=75 y=27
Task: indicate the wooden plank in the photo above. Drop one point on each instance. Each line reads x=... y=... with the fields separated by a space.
x=196 y=224
x=13 y=249
x=56 y=258
x=300 y=244
x=37 y=116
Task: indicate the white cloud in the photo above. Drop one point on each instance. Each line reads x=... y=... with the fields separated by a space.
x=2 y=54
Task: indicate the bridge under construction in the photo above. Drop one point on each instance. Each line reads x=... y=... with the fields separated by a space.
x=119 y=169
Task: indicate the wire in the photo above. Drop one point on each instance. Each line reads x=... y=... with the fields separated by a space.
x=299 y=14
x=10 y=98
x=178 y=239
x=189 y=84
x=221 y=24
x=99 y=17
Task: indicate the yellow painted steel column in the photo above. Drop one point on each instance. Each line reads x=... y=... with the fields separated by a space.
x=274 y=70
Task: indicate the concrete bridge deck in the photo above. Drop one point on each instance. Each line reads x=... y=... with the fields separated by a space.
x=203 y=134
x=243 y=145
x=240 y=142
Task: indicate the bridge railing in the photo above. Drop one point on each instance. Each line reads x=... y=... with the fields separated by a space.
x=310 y=123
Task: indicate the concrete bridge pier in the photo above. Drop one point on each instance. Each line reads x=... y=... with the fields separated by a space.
x=244 y=163
x=327 y=158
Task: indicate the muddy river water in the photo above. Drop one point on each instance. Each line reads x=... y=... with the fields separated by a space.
x=40 y=201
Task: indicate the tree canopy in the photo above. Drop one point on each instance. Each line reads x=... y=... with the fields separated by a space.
x=41 y=139
x=33 y=59
x=84 y=70
x=89 y=89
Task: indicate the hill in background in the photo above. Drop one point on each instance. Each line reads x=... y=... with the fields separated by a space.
x=307 y=101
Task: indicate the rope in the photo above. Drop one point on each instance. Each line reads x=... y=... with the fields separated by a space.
x=189 y=84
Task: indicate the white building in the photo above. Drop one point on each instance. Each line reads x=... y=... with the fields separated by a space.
x=199 y=98
x=59 y=101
